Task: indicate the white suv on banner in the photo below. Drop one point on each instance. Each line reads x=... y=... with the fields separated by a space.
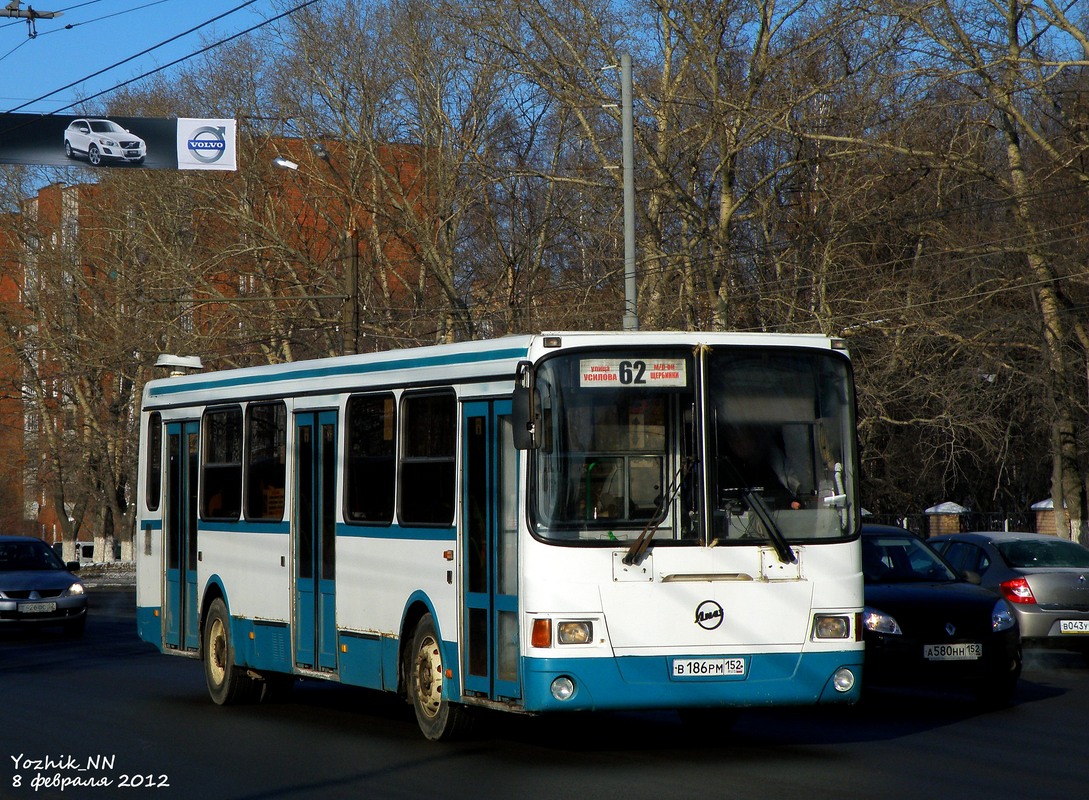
x=102 y=141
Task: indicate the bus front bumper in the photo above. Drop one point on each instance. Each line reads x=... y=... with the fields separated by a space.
x=650 y=682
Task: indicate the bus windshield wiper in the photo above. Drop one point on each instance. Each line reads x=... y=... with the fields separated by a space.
x=641 y=544
x=756 y=503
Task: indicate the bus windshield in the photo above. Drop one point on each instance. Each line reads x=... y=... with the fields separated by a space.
x=729 y=445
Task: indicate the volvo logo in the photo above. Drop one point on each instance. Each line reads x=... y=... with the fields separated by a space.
x=208 y=144
x=950 y=629
x=709 y=615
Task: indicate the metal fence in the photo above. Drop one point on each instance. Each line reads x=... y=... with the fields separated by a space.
x=919 y=524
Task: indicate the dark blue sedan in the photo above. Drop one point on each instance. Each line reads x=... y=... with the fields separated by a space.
x=925 y=625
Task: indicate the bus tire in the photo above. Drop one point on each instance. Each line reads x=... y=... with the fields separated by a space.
x=438 y=718
x=228 y=684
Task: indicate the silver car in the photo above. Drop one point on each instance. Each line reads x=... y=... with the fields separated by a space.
x=1044 y=578
x=37 y=588
x=102 y=140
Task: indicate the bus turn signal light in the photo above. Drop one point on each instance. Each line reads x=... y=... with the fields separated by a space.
x=542 y=633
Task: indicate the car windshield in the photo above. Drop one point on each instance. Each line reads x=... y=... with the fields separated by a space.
x=1043 y=553
x=897 y=558
x=29 y=555
x=105 y=126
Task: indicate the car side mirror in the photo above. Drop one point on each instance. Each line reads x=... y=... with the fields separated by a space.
x=972 y=577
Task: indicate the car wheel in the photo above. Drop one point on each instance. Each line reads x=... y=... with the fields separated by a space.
x=228 y=684
x=438 y=718
x=68 y=149
x=93 y=155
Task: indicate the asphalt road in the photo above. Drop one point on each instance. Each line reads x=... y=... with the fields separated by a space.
x=107 y=716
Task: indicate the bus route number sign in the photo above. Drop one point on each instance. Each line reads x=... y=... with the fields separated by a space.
x=635 y=372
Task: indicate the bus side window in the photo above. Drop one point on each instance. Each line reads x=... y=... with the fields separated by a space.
x=222 y=464
x=372 y=462
x=154 y=461
x=266 y=454
x=429 y=433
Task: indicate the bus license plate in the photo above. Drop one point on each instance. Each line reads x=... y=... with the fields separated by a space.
x=952 y=652
x=1074 y=626
x=37 y=608
x=708 y=667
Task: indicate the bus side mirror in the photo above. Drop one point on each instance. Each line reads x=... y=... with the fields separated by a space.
x=525 y=418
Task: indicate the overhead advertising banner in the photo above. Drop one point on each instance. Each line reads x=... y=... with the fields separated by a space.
x=118 y=142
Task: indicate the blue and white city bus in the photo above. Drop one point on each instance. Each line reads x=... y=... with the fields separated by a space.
x=558 y=522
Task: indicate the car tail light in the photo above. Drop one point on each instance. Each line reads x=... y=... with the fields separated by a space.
x=1017 y=590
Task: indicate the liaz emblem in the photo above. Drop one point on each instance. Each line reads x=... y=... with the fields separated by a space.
x=709 y=615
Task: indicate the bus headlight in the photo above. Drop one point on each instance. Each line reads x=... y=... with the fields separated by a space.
x=563 y=688
x=827 y=626
x=843 y=680
x=575 y=632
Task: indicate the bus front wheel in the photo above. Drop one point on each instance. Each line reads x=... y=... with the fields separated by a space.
x=227 y=683
x=438 y=718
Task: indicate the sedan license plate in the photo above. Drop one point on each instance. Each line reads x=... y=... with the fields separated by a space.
x=37 y=608
x=1074 y=626
x=953 y=652
x=708 y=667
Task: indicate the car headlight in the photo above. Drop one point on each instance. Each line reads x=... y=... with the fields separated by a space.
x=1001 y=618
x=107 y=142
x=880 y=622
x=75 y=590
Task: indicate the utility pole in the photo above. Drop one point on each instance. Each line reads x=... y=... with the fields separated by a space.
x=12 y=9
x=631 y=309
x=351 y=279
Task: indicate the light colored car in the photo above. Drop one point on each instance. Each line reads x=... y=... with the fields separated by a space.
x=1044 y=578
x=102 y=140
x=37 y=588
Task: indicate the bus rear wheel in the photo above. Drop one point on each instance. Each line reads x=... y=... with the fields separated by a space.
x=438 y=718
x=228 y=684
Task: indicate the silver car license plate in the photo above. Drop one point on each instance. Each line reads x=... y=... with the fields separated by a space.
x=37 y=608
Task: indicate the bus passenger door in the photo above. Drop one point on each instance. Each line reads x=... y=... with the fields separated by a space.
x=490 y=553
x=181 y=622
x=315 y=540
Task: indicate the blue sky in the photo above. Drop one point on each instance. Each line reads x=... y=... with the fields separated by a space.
x=93 y=35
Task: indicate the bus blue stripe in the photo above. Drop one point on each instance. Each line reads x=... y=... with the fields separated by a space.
x=337 y=370
x=347 y=531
